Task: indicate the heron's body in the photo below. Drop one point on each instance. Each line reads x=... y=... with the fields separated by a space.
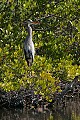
x=29 y=49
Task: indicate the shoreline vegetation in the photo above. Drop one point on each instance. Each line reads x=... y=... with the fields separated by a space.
x=26 y=98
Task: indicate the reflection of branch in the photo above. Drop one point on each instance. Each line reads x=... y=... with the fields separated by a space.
x=65 y=115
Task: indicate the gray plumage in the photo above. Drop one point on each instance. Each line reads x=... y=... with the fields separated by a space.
x=29 y=49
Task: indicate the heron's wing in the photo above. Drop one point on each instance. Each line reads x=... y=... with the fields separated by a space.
x=29 y=52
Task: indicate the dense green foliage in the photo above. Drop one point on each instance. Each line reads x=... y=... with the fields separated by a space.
x=57 y=44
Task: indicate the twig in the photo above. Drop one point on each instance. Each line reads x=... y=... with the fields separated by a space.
x=48 y=16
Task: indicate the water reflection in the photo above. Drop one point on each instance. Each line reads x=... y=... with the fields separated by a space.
x=71 y=112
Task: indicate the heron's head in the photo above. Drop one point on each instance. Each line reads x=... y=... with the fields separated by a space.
x=29 y=21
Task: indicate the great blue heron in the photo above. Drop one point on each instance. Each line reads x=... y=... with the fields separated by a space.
x=29 y=49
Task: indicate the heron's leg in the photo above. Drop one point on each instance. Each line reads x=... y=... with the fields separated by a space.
x=30 y=72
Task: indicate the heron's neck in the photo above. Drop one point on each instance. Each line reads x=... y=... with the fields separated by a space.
x=29 y=31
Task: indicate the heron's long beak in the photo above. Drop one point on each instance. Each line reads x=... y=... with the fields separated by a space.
x=36 y=22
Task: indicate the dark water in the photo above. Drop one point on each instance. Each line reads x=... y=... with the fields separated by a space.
x=71 y=112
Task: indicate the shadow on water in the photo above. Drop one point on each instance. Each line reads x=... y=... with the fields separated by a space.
x=71 y=112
